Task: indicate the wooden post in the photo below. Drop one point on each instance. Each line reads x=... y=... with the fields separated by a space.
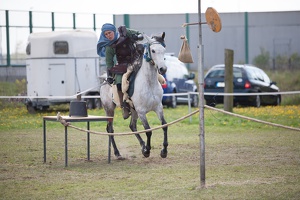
x=228 y=100
x=201 y=100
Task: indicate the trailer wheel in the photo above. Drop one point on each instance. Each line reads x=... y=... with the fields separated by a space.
x=98 y=103
x=90 y=103
x=44 y=108
x=31 y=109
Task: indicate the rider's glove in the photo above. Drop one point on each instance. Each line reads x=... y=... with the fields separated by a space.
x=110 y=80
x=136 y=37
x=140 y=37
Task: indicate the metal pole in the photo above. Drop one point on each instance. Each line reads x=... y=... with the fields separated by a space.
x=127 y=20
x=94 y=22
x=201 y=101
x=66 y=146
x=246 y=39
x=44 y=139
x=187 y=31
x=52 y=21
x=88 y=141
x=7 y=39
x=30 y=21
x=74 y=21
x=109 y=148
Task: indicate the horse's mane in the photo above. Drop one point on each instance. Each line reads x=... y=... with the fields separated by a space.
x=137 y=63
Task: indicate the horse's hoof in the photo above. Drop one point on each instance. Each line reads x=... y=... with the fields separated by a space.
x=146 y=153
x=120 y=158
x=163 y=153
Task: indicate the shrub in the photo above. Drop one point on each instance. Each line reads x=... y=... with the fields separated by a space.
x=262 y=60
x=295 y=61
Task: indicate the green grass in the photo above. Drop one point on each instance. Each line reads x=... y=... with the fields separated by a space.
x=244 y=159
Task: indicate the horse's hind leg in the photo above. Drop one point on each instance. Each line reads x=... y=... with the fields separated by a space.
x=164 y=151
x=109 y=107
x=109 y=129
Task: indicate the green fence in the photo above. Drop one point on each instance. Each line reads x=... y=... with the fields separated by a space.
x=15 y=27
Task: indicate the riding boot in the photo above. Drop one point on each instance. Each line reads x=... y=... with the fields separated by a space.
x=124 y=105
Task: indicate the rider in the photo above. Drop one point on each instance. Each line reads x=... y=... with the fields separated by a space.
x=120 y=49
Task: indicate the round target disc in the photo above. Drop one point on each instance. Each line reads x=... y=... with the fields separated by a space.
x=213 y=19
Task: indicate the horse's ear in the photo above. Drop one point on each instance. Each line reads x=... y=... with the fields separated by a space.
x=160 y=37
x=163 y=35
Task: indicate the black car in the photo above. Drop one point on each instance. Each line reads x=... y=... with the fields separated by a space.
x=246 y=79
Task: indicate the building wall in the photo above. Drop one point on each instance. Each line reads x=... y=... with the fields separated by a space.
x=276 y=32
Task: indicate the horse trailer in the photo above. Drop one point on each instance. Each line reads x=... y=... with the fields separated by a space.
x=60 y=65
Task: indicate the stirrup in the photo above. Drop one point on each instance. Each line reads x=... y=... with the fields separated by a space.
x=126 y=112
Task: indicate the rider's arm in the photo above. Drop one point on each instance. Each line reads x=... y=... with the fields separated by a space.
x=133 y=33
x=110 y=57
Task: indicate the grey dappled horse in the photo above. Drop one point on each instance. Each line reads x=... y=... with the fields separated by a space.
x=147 y=95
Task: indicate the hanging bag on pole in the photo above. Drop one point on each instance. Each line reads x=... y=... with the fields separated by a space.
x=185 y=55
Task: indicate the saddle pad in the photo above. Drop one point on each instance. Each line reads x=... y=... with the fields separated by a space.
x=131 y=84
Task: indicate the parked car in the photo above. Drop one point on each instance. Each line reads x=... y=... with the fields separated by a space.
x=246 y=79
x=178 y=80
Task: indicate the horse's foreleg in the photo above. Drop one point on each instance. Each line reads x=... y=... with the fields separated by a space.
x=110 y=129
x=164 y=151
x=146 y=149
x=133 y=128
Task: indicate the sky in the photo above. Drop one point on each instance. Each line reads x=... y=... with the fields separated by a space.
x=150 y=6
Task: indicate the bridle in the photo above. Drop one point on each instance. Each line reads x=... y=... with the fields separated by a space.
x=147 y=54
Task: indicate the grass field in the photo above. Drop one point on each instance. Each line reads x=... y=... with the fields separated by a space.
x=244 y=159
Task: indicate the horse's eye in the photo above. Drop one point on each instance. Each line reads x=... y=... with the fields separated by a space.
x=153 y=51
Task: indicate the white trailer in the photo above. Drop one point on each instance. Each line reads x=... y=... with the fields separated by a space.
x=59 y=65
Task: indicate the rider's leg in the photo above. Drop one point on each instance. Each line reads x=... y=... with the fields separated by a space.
x=125 y=81
x=161 y=79
x=124 y=105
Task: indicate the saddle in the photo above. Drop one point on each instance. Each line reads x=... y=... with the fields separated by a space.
x=119 y=69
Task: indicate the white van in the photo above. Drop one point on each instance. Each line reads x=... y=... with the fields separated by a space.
x=178 y=80
x=59 y=65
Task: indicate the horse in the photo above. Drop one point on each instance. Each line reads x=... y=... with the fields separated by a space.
x=147 y=95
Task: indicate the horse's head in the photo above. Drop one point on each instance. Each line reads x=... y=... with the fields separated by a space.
x=155 y=51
